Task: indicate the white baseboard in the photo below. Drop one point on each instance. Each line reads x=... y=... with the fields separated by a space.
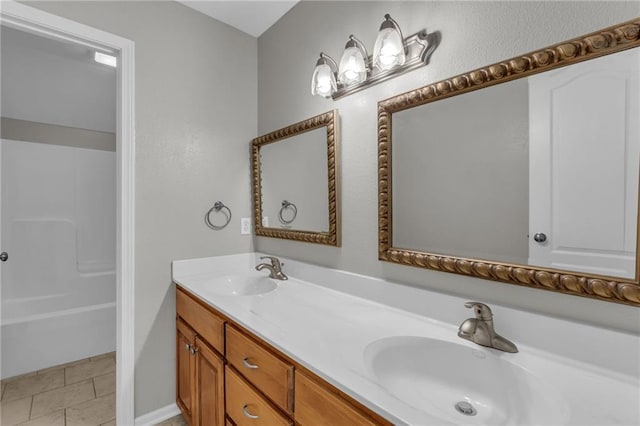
x=157 y=416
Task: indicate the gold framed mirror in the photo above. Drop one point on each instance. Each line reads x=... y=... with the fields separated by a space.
x=487 y=189
x=296 y=191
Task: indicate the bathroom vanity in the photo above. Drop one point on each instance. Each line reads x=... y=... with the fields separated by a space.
x=256 y=351
x=224 y=368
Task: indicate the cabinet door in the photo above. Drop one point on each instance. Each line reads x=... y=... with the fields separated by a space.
x=185 y=370
x=316 y=405
x=209 y=409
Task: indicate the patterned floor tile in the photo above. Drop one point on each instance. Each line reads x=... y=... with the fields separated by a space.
x=94 y=412
x=15 y=411
x=64 y=397
x=105 y=385
x=31 y=385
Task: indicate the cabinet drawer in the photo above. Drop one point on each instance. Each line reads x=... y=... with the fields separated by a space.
x=266 y=371
x=203 y=321
x=246 y=407
x=316 y=405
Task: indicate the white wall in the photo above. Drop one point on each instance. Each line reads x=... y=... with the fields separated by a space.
x=46 y=81
x=196 y=113
x=474 y=34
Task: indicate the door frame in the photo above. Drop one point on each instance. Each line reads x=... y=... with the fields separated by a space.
x=44 y=24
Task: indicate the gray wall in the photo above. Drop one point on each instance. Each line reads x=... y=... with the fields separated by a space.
x=195 y=115
x=295 y=169
x=474 y=34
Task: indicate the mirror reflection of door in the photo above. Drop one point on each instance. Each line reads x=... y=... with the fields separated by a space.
x=584 y=152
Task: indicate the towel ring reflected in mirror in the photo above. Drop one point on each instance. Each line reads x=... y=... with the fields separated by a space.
x=218 y=207
x=286 y=205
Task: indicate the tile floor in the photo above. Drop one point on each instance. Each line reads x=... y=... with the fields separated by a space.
x=174 y=421
x=80 y=393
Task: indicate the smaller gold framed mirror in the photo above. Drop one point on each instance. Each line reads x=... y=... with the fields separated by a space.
x=296 y=194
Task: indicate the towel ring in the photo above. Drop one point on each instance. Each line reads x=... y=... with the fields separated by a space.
x=218 y=207
x=286 y=205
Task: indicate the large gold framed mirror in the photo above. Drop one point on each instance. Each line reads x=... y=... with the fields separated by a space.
x=295 y=181
x=525 y=171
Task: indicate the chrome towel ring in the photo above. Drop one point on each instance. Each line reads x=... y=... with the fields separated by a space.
x=218 y=207
x=286 y=205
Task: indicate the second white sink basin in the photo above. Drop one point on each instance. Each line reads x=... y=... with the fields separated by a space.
x=445 y=379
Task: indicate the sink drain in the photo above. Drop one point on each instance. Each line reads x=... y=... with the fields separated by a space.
x=465 y=408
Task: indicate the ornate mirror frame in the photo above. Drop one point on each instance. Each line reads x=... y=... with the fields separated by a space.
x=609 y=40
x=332 y=236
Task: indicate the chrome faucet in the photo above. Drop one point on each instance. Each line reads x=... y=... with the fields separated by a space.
x=480 y=329
x=275 y=268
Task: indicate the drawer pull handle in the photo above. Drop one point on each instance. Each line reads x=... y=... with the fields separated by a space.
x=247 y=364
x=248 y=414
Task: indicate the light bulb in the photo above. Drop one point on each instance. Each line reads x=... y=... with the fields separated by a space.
x=352 y=67
x=388 y=51
x=323 y=81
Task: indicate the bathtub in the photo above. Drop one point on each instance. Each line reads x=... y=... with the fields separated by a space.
x=58 y=288
x=41 y=332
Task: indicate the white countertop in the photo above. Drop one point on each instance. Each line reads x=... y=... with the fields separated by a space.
x=327 y=331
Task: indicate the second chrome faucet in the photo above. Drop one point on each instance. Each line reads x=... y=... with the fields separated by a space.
x=480 y=329
x=275 y=268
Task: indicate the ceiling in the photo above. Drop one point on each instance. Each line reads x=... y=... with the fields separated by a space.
x=253 y=17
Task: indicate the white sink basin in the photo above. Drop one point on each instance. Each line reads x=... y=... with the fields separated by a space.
x=434 y=375
x=239 y=285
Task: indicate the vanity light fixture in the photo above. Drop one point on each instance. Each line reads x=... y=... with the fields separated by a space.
x=392 y=55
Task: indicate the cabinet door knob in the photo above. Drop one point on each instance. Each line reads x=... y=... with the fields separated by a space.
x=4 y=256
x=248 y=414
x=187 y=347
x=247 y=364
x=193 y=350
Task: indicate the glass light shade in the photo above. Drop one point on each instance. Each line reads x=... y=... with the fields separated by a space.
x=323 y=81
x=352 y=67
x=388 y=51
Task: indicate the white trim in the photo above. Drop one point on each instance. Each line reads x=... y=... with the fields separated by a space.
x=47 y=25
x=157 y=416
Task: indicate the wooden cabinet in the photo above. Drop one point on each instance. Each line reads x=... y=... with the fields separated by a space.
x=200 y=369
x=185 y=371
x=317 y=404
x=263 y=368
x=209 y=386
x=253 y=384
x=247 y=407
x=204 y=322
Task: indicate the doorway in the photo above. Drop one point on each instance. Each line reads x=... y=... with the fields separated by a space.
x=20 y=17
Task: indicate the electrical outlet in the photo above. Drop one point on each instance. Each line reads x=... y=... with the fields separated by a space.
x=265 y=221
x=245 y=226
